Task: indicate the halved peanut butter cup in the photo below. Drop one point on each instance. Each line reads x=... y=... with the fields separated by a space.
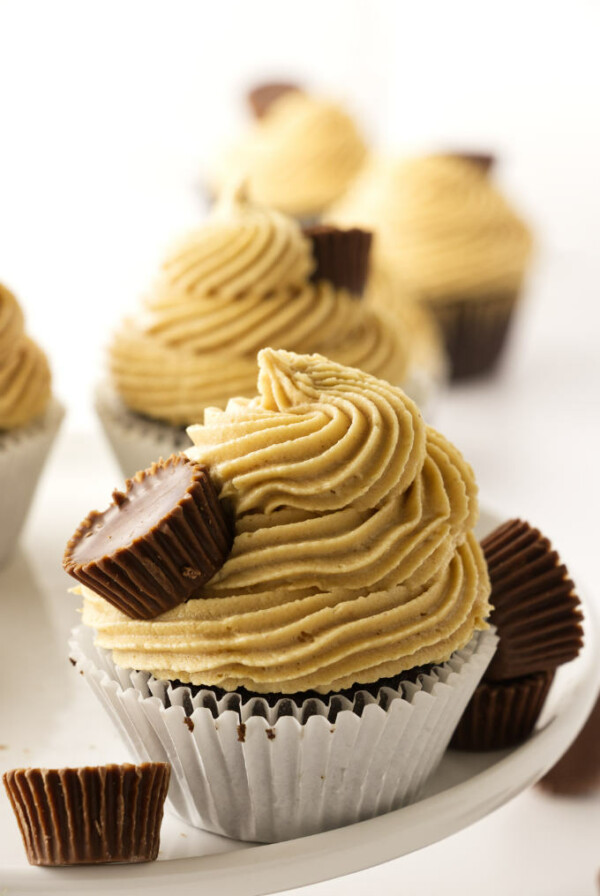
x=89 y=816
x=159 y=541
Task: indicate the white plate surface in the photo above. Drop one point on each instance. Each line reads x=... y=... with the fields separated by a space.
x=49 y=718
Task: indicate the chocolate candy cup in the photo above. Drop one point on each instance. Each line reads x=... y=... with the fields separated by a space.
x=502 y=715
x=89 y=816
x=261 y=97
x=341 y=256
x=578 y=772
x=485 y=161
x=157 y=543
x=535 y=608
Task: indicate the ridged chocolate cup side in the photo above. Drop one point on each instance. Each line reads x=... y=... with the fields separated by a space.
x=501 y=715
x=341 y=256
x=578 y=772
x=261 y=97
x=536 y=611
x=170 y=560
x=89 y=816
x=474 y=330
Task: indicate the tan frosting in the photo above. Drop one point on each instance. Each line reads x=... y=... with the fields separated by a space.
x=442 y=225
x=235 y=285
x=354 y=556
x=300 y=157
x=24 y=371
x=387 y=294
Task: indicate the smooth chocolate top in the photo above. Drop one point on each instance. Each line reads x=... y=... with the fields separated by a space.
x=146 y=501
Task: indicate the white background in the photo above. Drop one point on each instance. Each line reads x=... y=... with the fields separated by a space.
x=109 y=116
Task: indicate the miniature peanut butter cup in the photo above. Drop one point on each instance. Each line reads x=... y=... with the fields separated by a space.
x=502 y=715
x=263 y=96
x=341 y=256
x=578 y=772
x=159 y=541
x=89 y=816
x=536 y=611
x=484 y=161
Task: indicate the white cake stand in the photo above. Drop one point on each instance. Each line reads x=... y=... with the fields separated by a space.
x=49 y=718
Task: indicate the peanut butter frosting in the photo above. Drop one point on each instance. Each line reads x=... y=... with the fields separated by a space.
x=442 y=225
x=300 y=157
x=354 y=556
x=237 y=284
x=24 y=371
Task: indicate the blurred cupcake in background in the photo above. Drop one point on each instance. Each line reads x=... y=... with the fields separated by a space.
x=29 y=420
x=247 y=279
x=301 y=154
x=445 y=230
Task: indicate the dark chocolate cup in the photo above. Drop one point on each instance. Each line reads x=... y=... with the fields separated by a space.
x=474 y=331
x=89 y=816
x=536 y=611
x=501 y=715
x=578 y=772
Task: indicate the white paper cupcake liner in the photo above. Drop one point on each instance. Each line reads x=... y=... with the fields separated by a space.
x=136 y=441
x=23 y=452
x=272 y=776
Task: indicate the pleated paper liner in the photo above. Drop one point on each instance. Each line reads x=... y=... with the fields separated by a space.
x=258 y=772
x=536 y=611
x=503 y=714
x=341 y=256
x=94 y=815
x=474 y=331
x=23 y=453
x=578 y=772
x=157 y=543
x=136 y=441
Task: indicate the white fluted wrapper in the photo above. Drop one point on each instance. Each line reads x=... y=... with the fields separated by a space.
x=23 y=452
x=136 y=442
x=251 y=773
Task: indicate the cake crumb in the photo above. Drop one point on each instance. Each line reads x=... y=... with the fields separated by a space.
x=187 y=721
x=241 y=731
x=270 y=732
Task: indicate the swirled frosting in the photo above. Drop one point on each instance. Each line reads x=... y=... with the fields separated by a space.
x=237 y=284
x=441 y=225
x=300 y=157
x=24 y=371
x=354 y=556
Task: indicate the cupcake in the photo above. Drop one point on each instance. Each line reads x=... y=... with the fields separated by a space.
x=248 y=278
x=29 y=420
x=316 y=677
x=444 y=228
x=538 y=621
x=301 y=154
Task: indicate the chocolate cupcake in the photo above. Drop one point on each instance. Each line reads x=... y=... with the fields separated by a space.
x=248 y=278
x=444 y=229
x=537 y=618
x=29 y=420
x=344 y=633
